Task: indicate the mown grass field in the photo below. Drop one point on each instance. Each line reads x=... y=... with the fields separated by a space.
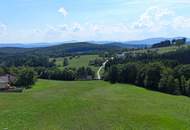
x=92 y=105
x=77 y=62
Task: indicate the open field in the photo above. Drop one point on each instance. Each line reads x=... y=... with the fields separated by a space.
x=77 y=62
x=92 y=105
x=162 y=50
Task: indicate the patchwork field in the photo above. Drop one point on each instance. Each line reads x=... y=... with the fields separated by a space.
x=92 y=105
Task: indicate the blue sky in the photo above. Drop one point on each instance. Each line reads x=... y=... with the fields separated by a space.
x=83 y=20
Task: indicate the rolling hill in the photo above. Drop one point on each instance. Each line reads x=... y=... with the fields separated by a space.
x=59 y=50
x=128 y=45
x=125 y=44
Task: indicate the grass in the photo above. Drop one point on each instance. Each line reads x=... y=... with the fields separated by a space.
x=92 y=105
x=162 y=50
x=77 y=62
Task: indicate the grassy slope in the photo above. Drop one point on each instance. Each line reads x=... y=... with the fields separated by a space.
x=83 y=60
x=56 y=105
x=162 y=50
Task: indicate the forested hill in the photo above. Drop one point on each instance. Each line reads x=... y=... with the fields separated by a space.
x=75 y=48
x=61 y=50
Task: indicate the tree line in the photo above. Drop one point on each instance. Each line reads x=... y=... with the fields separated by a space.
x=25 y=77
x=154 y=75
x=69 y=74
x=96 y=62
x=168 y=72
x=26 y=60
x=180 y=56
x=166 y=43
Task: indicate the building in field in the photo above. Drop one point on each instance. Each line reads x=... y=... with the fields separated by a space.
x=6 y=80
x=121 y=55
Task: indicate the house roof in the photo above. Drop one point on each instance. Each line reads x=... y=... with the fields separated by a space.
x=5 y=78
x=3 y=82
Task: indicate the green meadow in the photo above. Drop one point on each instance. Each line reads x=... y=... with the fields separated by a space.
x=92 y=105
x=162 y=50
x=77 y=62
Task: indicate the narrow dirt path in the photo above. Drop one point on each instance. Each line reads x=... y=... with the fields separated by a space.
x=98 y=72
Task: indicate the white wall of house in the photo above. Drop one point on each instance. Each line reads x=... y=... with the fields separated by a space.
x=3 y=84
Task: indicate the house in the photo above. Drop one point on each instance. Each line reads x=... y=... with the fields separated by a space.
x=122 y=55
x=6 y=80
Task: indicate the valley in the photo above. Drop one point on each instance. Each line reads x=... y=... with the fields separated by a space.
x=94 y=65
x=137 y=88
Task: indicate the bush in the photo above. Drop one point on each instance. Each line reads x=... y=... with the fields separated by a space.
x=25 y=77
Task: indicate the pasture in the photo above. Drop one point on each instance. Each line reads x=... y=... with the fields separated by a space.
x=77 y=61
x=92 y=105
x=161 y=50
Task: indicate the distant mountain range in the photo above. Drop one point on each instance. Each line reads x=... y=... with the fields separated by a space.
x=122 y=44
x=28 y=45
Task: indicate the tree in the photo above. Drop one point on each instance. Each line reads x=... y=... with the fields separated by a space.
x=170 y=86
x=113 y=74
x=173 y=41
x=81 y=73
x=180 y=42
x=163 y=84
x=167 y=82
x=141 y=74
x=65 y=62
x=162 y=44
x=187 y=87
x=128 y=73
x=177 y=87
x=84 y=73
x=90 y=72
x=2 y=71
x=25 y=77
x=153 y=76
x=182 y=70
x=183 y=84
x=68 y=74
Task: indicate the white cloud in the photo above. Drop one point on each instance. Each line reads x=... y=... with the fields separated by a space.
x=156 y=21
x=86 y=31
x=76 y=27
x=181 y=22
x=180 y=1
x=171 y=2
x=3 y=29
x=154 y=18
x=63 y=27
x=63 y=11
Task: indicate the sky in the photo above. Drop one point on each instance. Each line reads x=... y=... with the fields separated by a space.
x=30 y=21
